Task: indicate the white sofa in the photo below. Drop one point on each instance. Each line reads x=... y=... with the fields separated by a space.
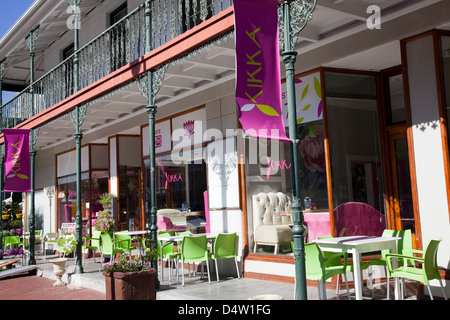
x=269 y=228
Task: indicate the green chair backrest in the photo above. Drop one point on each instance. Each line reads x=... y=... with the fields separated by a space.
x=335 y=261
x=430 y=265
x=225 y=246
x=12 y=240
x=95 y=242
x=106 y=243
x=194 y=248
x=123 y=244
x=38 y=233
x=404 y=245
x=167 y=247
x=315 y=268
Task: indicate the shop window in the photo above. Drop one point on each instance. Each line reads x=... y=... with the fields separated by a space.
x=67 y=198
x=356 y=167
x=180 y=184
x=395 y=102
x=445 y=58
x=130 y=217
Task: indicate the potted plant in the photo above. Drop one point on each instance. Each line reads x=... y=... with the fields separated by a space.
x=131 y=279
x=105 y=222
x=67 y=245
x=106 y=200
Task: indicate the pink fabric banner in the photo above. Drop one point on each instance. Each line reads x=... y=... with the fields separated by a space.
x=17 y=160
x=258 y=83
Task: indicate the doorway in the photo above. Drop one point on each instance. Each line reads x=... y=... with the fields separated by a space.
x=399 y=196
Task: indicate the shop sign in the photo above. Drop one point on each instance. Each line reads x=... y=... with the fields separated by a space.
x=308 y=97
x=17 y=160
x=258 y=93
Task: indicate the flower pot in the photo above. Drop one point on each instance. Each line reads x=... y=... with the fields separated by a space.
x=19 y=215
x=5 y=216
x=59 y=268
x=138 y=285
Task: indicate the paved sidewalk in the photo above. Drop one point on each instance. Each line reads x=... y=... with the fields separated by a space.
x=90 y=285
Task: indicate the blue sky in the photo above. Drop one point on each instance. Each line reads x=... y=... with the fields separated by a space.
x=10 y=13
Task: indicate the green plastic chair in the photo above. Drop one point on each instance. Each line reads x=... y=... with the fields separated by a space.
x=429 y=268
x=94 y=243
x=125 y=245
x=404 y=246
x=317 y=268
x=336 y=261
x=111 y=247
x=194 y=249
x=168 y=253
x=225 y=248
x=11 y=241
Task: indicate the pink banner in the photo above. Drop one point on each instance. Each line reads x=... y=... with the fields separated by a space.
x=258 y=83
x=17 y=160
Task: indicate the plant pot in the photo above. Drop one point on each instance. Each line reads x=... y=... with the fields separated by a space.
x=59 y=268
x=19 y=215
x=138 y=285
x=5 y=216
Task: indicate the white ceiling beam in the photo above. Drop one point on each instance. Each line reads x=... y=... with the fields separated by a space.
x=350 y=9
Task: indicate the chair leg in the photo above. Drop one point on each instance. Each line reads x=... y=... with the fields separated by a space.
x=318 y=289
x=442 y=287
x=337 y=285
x=217 y=270
x=346 y=286
x=207 y=269
x=429 y=292
x=237 y=268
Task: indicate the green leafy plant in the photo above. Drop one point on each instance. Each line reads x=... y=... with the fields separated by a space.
x=67 y=244
x=106 y=198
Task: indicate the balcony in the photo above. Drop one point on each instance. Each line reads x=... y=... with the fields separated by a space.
x=120 y=47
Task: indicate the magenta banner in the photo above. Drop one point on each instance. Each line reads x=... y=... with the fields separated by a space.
x=17 y=160
x=258 y=84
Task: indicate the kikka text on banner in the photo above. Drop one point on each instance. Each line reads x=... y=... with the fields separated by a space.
x=258 y=83
x=17 y=160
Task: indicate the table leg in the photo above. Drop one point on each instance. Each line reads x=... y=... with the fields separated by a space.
x=397 y=292
x=357 y=273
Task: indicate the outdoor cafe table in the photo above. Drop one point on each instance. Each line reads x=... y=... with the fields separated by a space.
x=356 y=245
x=164 y=240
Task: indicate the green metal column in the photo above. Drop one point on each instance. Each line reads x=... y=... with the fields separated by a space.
x=31 y=41
x=78 y=138
x=151 y=111
x=300 y=11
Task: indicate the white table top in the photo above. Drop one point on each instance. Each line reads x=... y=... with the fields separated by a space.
x=355 y=240
x=179 y=238
x=132 y=233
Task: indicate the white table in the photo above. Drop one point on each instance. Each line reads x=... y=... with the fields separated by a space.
x=176 y=239
x=356 y=245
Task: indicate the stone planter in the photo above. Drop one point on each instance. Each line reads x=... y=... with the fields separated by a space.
x=131 y=285
x=59 y=268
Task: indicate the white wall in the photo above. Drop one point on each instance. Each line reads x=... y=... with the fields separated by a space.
x=430 y=174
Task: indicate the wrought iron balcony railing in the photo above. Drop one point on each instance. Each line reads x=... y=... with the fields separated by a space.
x=117 y=46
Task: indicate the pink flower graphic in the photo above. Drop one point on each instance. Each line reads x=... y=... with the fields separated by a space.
x=189 y=128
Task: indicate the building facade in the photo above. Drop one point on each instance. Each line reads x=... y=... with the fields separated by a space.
x=372 y=88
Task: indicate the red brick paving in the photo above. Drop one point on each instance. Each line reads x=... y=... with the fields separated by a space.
x=32 y=287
